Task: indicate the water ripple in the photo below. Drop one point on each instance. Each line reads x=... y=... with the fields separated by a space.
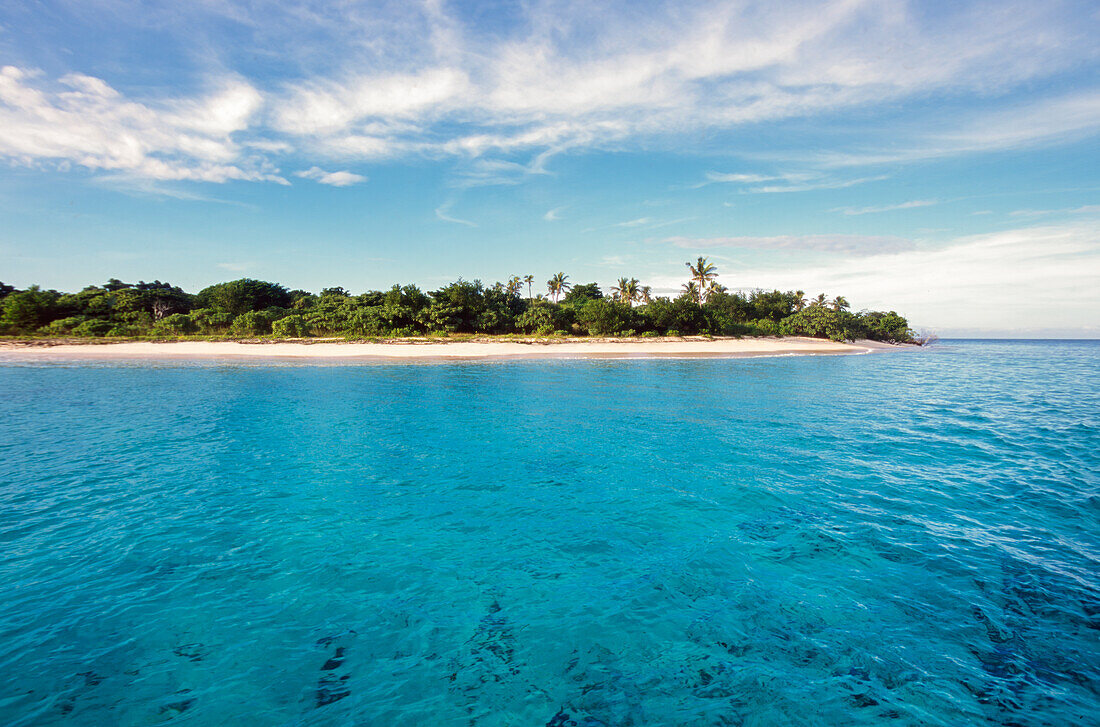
x=904 y=539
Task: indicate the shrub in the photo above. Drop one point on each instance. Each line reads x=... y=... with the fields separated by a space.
x=681 y=315
x=241 y=296
x=176 y=324
x=889 y=327
x=211 y=319
x=28 y=310
x=121 y=329
x=252 y=323
x=290 y=327
x=62 y=325
x=603 y=317
x=820 y=322
x=95 y=328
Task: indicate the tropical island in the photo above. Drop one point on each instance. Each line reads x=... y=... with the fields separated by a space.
x=255 y=309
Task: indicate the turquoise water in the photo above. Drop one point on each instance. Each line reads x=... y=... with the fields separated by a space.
x=903 y=538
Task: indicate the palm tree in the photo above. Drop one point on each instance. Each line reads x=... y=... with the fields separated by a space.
x=799 y=300
x=514 y=285
x=556 y=285
x=691 y=290
x=818 y=301
x=840 y=303
x=529 y=279
x=645 y=294
x=626 y=291
x=618 y=292
x=703 y=274
x=631 y=291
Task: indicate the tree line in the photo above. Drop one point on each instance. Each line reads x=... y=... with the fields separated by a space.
x=249 y=308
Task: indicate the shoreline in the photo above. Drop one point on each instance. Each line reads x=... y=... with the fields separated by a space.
x=426 y=349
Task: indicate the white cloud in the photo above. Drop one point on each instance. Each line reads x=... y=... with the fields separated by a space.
x=335 y=179
x=1018 y=280
x=849 y=244
x=554 y=214
x=443 y=212
x=1089 y=209
x=379 y=81
x=94 y=126
x=320 y=108
x=886 y=208
x=1036 y=123
x=812 y=186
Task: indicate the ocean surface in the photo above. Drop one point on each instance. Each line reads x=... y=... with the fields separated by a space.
x=899 y=538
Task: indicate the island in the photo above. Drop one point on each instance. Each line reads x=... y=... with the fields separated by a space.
x=461 y=319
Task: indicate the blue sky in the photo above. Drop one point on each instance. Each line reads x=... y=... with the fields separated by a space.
x=937 y=158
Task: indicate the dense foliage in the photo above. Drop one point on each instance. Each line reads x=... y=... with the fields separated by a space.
x=249 y=308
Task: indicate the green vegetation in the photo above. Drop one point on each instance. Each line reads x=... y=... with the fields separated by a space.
x=250 y=308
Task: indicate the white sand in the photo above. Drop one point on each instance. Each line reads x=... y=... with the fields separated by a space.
x=461 y=350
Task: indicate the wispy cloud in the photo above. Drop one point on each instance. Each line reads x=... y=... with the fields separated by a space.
x=1035 y=123
x=1089 y=209
x=82 y=120
x=442 y=212
x=789 y=182
x=849 y=244
x=554 y=214
x=334 y=179
x=812 y=186
x=235 y=267
x=438 y=86
x=886 y=208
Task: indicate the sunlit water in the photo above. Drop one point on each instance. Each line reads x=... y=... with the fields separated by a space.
x=902 y=538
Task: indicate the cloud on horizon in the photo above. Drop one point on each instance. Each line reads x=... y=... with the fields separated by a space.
x=1024 y=279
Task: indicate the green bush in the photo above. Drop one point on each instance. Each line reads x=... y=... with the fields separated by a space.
x=27 y=310
x=821 y=322
x=62 y=326
x=681 y=315
x=603 y=317
x=889 y=327
x=177 y=324
x=290 y=327
x=211 y=320
x=95 y=328
x=122 y=329
x=252 y=323
x=241 y=296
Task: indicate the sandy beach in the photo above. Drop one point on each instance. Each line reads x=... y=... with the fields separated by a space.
x=433 y=349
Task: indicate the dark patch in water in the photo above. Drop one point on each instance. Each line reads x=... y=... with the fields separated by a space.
x=332 y=687
x=91 y=679
x=179 y=706
x=561 y=719
x=192 y=652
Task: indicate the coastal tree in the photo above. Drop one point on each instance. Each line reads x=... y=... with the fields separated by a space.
x=159 y=309
x=691 y=290
x=557 y=285
x=24 y=311
x=703 y=273
x=582 y=292
x=626 y=291
x=240 y=296
x=529 y=279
